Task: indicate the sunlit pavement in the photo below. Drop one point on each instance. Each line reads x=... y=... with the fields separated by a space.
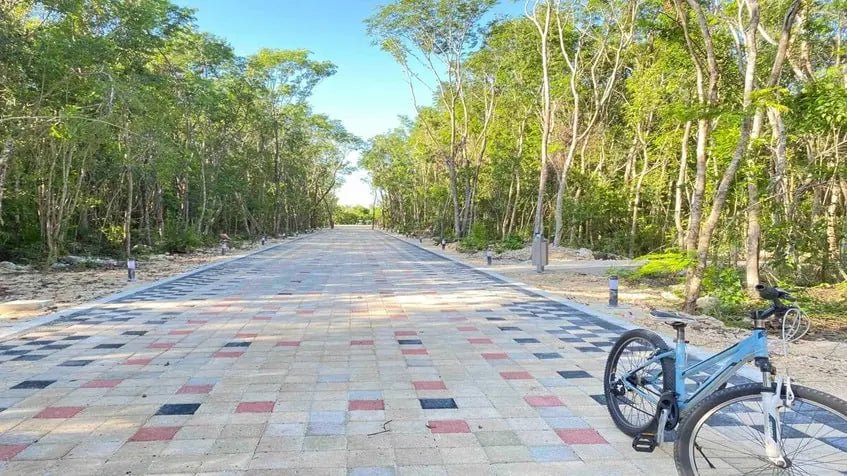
x=346 y=352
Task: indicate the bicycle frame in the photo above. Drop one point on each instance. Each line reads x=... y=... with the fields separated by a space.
x=728 y=361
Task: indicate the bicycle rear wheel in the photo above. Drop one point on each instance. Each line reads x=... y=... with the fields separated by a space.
x=631 y=412
x=724 y=434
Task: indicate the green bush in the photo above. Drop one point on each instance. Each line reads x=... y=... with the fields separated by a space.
x=476 y=240
x=180 y=238
x=669 y=265
x=510 y=242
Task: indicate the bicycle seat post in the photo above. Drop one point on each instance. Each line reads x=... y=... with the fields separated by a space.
x=680 y=332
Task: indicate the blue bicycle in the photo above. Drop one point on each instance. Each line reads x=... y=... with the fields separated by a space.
x=767 y=427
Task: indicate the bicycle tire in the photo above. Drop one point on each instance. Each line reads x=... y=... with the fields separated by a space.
x=685 y=452
x=624 y=423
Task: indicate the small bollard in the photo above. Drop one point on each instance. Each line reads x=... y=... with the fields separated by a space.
x=420 y=239
x=263 y=240
x=443 y=243
x=613 y=291
x=224 y=248
x=540 y=253
x=130 y=269
x=488 y=257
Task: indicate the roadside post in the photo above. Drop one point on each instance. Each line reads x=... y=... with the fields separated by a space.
x=540 y=253
x=613 y=291
x=443 y=243
x=224 y=247
x=130 y=269
x=488 y=256
x=264 y=238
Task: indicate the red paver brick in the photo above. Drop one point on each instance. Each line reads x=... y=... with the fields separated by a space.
x=405 y=333
x=366 y=405
x=516 y=375
x=545 y=401
x=247 y=335
x=195 y=389
x=59 y=412
x=288 y=343
x=255 y=407
x=480 y=340
x=495 y=356
x=228 y=354
x=362 y=342
x=106 y=383
x=448 y=426
x=160 y=345
x=155 y=433
x=415 y=352
x=261 y=318
x=466 y=328
x=8 y=452
x=429 y=385
x=183 y=332
x=138 y=361
x=581 y=436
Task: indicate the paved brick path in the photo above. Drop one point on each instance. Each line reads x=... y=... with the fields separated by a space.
x=345 y=352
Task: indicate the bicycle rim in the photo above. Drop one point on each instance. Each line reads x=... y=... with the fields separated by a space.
x=633 y=407
x=729 y=439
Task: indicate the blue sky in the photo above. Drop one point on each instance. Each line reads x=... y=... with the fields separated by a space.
x=368 y=92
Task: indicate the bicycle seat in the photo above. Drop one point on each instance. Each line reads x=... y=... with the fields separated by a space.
x=672 y=318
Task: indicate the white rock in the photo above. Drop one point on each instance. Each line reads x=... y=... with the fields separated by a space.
x=25 y=305
x=585 y=253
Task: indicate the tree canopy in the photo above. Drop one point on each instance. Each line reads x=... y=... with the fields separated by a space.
x=122 y=124
x=711 y=131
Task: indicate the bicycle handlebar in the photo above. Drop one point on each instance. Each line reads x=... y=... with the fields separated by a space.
x=769 y=293
x=775 y=295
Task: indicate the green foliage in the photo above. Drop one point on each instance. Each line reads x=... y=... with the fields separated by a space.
x=725 y=283
x=510 y=242
x=352 y=215
x=478 y=239
x=663 y=266
x=180 y=238
x=114 y=107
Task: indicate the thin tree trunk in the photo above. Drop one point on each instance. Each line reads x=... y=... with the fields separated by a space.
x=679 y=189
x=543 y=28
x=695 y=276
x=5 y=161
x=128 y=213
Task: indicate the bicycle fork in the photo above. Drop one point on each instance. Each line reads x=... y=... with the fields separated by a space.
x=772 y=403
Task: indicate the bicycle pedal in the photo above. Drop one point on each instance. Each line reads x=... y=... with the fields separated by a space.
x=644 y=442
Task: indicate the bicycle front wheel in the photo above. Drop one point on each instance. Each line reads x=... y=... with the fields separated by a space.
x=724 y=434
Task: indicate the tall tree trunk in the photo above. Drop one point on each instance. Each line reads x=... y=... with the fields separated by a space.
x=695 y=275
x=543 y=28
x=5 y=161
x=679 y=189
x=128 y=213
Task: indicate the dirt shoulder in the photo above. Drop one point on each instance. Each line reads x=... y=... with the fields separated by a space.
x=68 y=288
x=818 y=363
